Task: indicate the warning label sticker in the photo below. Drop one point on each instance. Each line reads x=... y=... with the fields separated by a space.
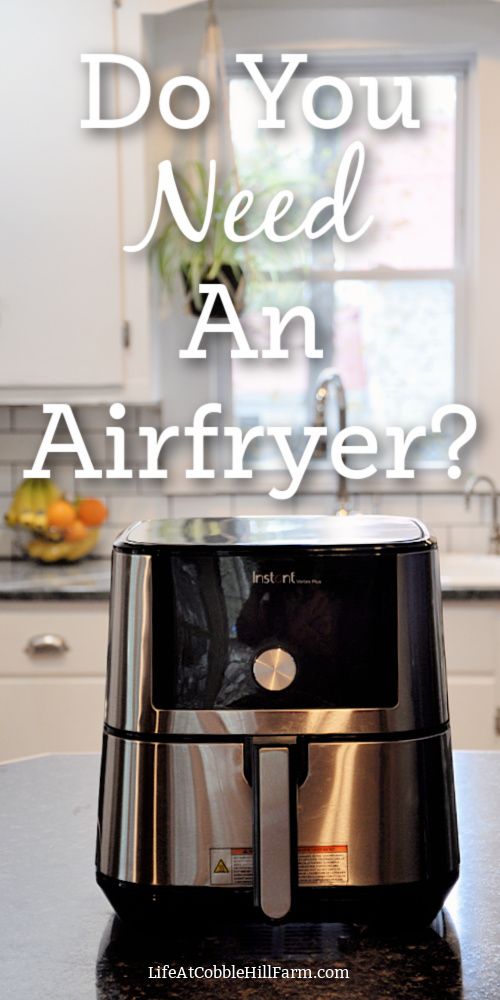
x=323 y=864
x=231 y=866
x=318 y=864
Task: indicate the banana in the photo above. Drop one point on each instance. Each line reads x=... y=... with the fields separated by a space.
x=38 y=494
x=39 y=498
x=49 y=552
x=23 y=504
x=27 y=516
x=12 y=515
x=30 y=502
x=80 y=549
x=40 y=522
x=14 y=511
x=46 y=551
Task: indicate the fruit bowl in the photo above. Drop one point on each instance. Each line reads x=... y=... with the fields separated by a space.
x=41 y=548
x=50 y=528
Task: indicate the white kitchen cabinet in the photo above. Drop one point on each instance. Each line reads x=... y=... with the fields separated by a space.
x=75 y=633
x=472 y=712
x=472 y=637
x=62 y=296
x=52 y=676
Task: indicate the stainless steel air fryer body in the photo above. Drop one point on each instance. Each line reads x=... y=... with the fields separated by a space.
x=276 y=731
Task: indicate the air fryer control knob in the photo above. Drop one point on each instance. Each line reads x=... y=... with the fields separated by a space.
x=274 y=669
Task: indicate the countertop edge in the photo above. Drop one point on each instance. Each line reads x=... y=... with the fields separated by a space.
x=66 y=594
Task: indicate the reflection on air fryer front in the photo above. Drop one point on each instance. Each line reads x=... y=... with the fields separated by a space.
x=337 y=621
x=265 y=960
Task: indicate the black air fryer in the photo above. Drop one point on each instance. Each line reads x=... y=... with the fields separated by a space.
x=277 y=737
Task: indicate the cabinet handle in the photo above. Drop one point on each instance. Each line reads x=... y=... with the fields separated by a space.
x=46 y=643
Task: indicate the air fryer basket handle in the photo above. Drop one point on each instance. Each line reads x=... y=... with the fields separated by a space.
x=273 y=830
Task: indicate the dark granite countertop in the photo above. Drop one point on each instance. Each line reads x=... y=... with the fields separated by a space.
x=470 y=594
x=59 y=940
x=25 y=580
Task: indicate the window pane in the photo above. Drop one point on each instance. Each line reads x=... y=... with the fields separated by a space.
x=407 y=184
x=393 y=342
x=269 y=160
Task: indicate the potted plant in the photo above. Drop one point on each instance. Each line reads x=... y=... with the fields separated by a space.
x=215 y=260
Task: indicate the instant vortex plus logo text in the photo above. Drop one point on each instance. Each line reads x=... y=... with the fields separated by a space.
x=272 y=577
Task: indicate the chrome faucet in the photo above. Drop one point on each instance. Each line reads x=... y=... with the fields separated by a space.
x=331 y=377
x=495 y=527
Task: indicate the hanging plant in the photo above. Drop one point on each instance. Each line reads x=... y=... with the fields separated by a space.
x=215 y=260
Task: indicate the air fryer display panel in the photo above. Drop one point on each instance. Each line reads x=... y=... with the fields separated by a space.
x=215 y=614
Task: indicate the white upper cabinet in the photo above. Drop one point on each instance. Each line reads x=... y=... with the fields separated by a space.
x=63 y=300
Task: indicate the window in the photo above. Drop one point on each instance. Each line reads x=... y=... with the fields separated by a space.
x=384 y=306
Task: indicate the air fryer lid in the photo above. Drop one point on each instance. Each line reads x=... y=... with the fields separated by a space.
x=309 y=532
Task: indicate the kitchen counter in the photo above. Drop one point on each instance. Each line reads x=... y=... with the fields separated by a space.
x=463 y=577
x=59 y=940
x=467 y=576
x=25 y=580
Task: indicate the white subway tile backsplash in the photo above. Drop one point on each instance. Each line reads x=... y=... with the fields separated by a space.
x=327 y=503
x=442 y=535
x=100 y=449
x=248 y=504
x=309 y=504
x=28 y=418
x=147 y=486
x=201 y=506
x=6 y=541
x=22 y=445
x=470 y=538
x=123 y=510
x=362 y=503
x=479 y=509
x=105 y=488
x=18 y=447
x=94 y=418
x=148 y=416
x=447 y=509
x=5 y=480
x=21 y=429
x=65 y=480
x=107 y=536
x=398 y=505
x=97 y=418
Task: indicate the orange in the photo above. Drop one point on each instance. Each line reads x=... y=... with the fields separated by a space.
x=75 y=531
x=92 y=511
x=60 y=514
